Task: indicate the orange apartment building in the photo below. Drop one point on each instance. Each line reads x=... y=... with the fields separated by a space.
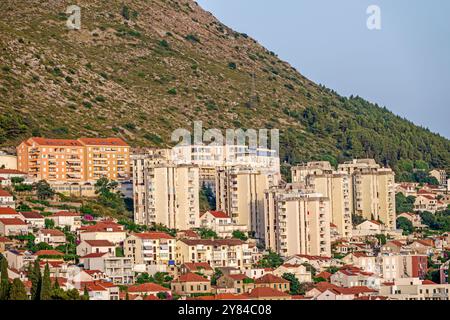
x=82 y=160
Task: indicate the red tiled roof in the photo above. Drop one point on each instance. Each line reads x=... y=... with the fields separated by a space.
x=191 y=277
x=48 y=253
x=52 y=232
x=56 y=142
x=103 y=142
x=11 y=171
x=13 y=222
x=371 y=298
x=103 y=227
x=94 y=255
x=313 y=257
x=147 y=287
x=99 y=243
x=229 y=296
x=217 y=214
x=191 y=266
x=66 y=214
x=5 y=240
x=428 y=282
x=154 y=235
x=218 y=242
x=8 y=211
x=32 y=215
x=266 y=292
x=324 y=275
x=238 y=277
x=4 y=193
x=270 y=278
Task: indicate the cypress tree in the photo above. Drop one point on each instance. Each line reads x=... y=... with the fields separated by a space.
x=56 y=284
x=46 y=288
x=85 y=294
x=18 y=291
x=3 y=269
x=36 y=281
x=4 y=282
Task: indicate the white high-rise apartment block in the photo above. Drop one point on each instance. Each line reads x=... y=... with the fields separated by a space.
x=240 y=193
x=297 y=221
x=335 y=185
x=165 y=193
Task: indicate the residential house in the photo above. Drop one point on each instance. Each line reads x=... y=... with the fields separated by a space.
x=53 y=237
x=274 y=282
x=267 y=293
x=151 y=249
x=191 y=283
x=35 y=219
x=66 y=219
x=13 y=227
x=221 y=223
x=199 y=267
x=110 y=231
x=235 y=283
x=217 y=253
x=415 y=289
x=95 y=246
x=298 y=270
x=6 y=199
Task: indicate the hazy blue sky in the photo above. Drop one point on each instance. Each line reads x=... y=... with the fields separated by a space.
x=405 y=66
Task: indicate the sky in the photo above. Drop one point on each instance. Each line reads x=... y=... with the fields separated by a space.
x=404 y=66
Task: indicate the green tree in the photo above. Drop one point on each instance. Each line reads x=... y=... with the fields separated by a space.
x=405 y=225
x=4 y=279
x=404 y=204
x=237 y=234
x=46 y=289
x=85 y=294
x=271 y=260
x=49 y=224
x=294 y=283
x=18 y=291
x=217 y=274
x=36 y=280
x=205 y=233
x=43 y=190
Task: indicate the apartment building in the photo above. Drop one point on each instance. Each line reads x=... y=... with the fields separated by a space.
x=440 y=175
x=298 y=222
x=396 y=266
x=215 y=156
x=217 y=253
x=165 y=193
x=415 y=289
x=74 y=161
x=221 y=223
x=240 y=193
x=150 y=248
x=335 y=185
x=373 y=190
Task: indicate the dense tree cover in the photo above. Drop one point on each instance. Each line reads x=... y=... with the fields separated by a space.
x=405 y=225
x=161 y=278
x=439 y=221
x=108 y=195
x=43 y=190
x=206 y=233
x=404 y=204
x=294 y=283
x=359 y=129
x=240 y=235
x=271 y=260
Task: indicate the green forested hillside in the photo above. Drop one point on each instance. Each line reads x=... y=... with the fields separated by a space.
x=141 y=69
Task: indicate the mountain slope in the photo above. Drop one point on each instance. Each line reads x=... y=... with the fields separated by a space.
x=141 y=69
